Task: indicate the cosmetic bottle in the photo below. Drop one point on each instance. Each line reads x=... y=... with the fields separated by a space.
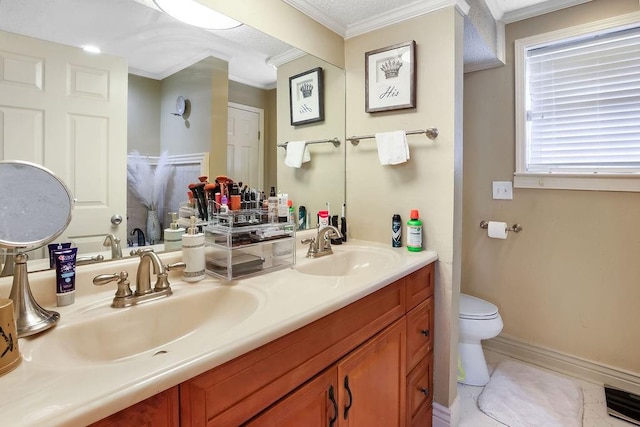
x=224 y=208
x=173 y=234
x=396 y=231
x=414 y=232
x=292 y=212
x=272 y=206
x=323 y=219
x=193 y=253
x=302 y=218
x=283 y=207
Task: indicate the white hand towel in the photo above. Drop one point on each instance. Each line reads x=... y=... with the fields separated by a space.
x=297 y=154
x=392 y=147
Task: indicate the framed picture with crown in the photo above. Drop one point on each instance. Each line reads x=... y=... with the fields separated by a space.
x=390 y=78
x=306 y=97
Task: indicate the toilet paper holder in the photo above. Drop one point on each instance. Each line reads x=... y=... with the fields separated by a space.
x=515 y=227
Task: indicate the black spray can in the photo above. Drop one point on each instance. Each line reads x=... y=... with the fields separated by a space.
x=396 y=231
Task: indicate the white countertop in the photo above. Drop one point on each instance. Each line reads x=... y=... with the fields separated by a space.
x=77 y=394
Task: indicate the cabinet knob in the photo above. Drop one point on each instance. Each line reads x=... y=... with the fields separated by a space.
x=424 y=391
x=425 y=332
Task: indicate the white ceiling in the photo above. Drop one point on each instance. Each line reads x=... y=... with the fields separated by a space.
x=156 y=45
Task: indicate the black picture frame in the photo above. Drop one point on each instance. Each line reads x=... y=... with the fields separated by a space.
x=306 y=97
x=390 y=78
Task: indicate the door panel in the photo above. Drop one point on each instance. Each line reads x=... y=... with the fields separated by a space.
x=66 y=109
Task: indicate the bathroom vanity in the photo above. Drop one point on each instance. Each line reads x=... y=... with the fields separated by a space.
x=305 y=344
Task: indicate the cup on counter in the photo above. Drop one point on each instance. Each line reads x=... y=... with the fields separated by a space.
x=9 y=354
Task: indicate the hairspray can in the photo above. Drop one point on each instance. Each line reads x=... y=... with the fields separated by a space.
x=396 y=231
x=302 y=218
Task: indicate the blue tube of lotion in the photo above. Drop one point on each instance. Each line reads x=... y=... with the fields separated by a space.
x=56 y=246
x=65 y=260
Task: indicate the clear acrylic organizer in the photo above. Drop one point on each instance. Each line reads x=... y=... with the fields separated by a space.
x=246 y=242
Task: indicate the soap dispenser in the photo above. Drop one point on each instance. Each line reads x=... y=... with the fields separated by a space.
x=173 y=234
x=193 y=253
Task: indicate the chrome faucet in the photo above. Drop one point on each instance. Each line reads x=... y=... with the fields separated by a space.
x=113 y=241
x=125 y=297
x=321 y=244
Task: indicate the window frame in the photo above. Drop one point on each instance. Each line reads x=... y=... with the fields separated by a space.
x=623 y=181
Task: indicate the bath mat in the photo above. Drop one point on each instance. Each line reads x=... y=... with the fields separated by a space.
x=519 y=395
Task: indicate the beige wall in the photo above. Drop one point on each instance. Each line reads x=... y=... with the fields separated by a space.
x=264 y=99
x=143 y=115
x=204 y=129
x=322 y=179
x=569 y=280
x=427 y=182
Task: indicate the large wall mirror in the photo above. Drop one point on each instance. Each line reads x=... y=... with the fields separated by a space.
x=81 y=114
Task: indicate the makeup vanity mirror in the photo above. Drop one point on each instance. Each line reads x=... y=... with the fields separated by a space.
x=97 y=146
x=36 y=209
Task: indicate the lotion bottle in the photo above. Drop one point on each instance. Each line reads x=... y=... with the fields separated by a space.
x=193 y=253
x=173 y=234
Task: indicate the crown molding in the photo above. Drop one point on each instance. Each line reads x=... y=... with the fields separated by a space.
x=395 y=16
x=539 y=9
x=404 y=13
x=309 y=9
x=285 y=57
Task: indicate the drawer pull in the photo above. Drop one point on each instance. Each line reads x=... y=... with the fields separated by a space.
x=332 y=398
x=425 y=332
x=346 y=386
x=424 y=391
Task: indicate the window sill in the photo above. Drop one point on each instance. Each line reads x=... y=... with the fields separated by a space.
x=600 y=182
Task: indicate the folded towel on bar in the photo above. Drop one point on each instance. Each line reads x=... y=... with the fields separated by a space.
x=297 y=154
x=392 y=147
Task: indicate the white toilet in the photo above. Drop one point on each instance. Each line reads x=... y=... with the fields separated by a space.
x=478 y=320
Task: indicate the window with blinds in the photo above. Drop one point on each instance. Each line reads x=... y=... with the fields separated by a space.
x=579 y=105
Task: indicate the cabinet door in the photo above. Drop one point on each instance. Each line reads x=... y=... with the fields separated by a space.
x=160 y=410
x=312 y=405
x=372 y=381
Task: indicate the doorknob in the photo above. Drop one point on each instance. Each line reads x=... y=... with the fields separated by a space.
x=116 y=219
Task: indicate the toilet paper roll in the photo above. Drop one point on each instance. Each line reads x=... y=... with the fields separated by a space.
x=497 y=230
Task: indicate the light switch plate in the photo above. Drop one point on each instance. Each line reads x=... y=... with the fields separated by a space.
x=502 y=190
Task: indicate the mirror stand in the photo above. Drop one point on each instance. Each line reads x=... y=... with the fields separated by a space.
x=30 y=317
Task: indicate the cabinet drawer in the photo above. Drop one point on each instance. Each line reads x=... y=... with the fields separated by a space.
x=420 y=393
x=420 y=285
x=419 y=332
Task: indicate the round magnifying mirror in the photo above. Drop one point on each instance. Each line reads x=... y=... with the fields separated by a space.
x=36 y=205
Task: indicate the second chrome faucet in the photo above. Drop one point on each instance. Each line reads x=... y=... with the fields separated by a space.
x=321 y=244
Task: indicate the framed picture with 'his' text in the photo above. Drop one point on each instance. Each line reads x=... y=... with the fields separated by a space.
x=390 y=78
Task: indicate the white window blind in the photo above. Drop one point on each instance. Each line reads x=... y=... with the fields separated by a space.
x=582 y=101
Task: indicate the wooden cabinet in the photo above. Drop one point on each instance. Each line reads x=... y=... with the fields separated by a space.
x=372 y=359
x=160 y=410
x=350 y=393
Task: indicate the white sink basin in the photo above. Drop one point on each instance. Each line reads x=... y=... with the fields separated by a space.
x=348 y=261
x=101 y=334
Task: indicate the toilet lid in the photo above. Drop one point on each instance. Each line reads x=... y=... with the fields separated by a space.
x=476 y=308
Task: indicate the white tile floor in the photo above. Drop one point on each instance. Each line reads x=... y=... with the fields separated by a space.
x=595 y=407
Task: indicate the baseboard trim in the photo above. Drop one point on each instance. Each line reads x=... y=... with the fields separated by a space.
x=564 y=363
x=445 y=417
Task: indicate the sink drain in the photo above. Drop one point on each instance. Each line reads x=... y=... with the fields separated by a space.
x=160 y=352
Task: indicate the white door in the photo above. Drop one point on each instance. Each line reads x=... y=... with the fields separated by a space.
x=66 y=109
x=245 y=155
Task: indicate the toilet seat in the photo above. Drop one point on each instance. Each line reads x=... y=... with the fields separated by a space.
x=472 y=308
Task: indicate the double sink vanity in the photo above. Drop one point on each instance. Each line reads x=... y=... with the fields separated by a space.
x=310 y=342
